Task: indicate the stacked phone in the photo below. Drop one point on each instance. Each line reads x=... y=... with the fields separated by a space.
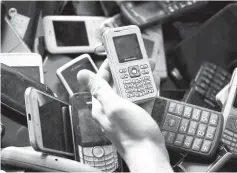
x=68 y=129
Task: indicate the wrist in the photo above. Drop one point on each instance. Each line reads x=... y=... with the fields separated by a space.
x=148 y=156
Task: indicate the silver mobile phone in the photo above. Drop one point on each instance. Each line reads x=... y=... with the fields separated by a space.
x=48 y=123
x=129 y=63
x=68 y=72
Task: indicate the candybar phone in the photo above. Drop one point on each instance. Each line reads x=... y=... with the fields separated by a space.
x=153 y=41
x=147 y=13
x=68 y=72
x=188 y=128
x=72 y=34
x=229 y=136
x=209 y=80
x=129 y=63
x=90 y=144
x=48 y=123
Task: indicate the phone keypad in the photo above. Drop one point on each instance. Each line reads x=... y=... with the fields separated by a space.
x=229 y=136
x=190 y=128
x=104 y=158
x=136 y=82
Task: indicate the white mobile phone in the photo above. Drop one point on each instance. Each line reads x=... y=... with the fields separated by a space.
x=68 y=72
x=229 y=136
x=49 y=123
x=72 y=34
x=28 y=63
x=153 y=41
x=129 y=63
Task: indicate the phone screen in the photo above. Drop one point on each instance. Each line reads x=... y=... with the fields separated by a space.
x=89 y=132
x=70 y=74
x=70 y=33
x=55 y=124
x=127 y=48
x=30 y=71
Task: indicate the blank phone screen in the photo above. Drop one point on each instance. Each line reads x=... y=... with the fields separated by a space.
x=127 y=48
x=55 y=124
x=70 y=74
x=70 y=33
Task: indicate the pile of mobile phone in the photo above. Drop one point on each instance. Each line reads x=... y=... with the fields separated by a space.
x=68 y=129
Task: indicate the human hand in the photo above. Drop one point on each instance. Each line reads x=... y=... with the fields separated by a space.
x=129 y=127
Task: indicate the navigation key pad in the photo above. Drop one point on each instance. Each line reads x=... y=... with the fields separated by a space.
x=190 y=128
x=135 y=81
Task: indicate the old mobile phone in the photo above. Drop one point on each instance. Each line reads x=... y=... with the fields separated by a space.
x=153 y=41
x=48 y=123
x=146 y=13
x=60 y=34
x=229 y=136
x=90 y=144
x=188 y=128
x=28 y=63
x=129 y=63
x=209 y=80
x=68 y=72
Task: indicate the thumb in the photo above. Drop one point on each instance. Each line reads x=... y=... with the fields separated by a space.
x=99 y=89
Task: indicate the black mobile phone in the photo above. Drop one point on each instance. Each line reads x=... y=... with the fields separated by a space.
x=147 y=13
x=209 y=80
x=188 y=128
x=90 y=144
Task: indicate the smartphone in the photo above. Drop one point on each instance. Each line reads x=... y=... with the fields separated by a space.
x=90 y=143
x=153 y=41
x=129 y=63
x=48 y=123
x=188 y=128
x=229 y=136
x=68 y=72
x=29 y=64
x=72 y=34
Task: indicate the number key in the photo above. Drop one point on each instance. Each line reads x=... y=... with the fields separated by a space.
x=213 y=119
x=210 y=132
x=184 y=125
x=197 y=144
x=187 y=111
x=201 y=130
x=188 y=142
x=205 y=117
x=196 y=114
x=192 y=128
